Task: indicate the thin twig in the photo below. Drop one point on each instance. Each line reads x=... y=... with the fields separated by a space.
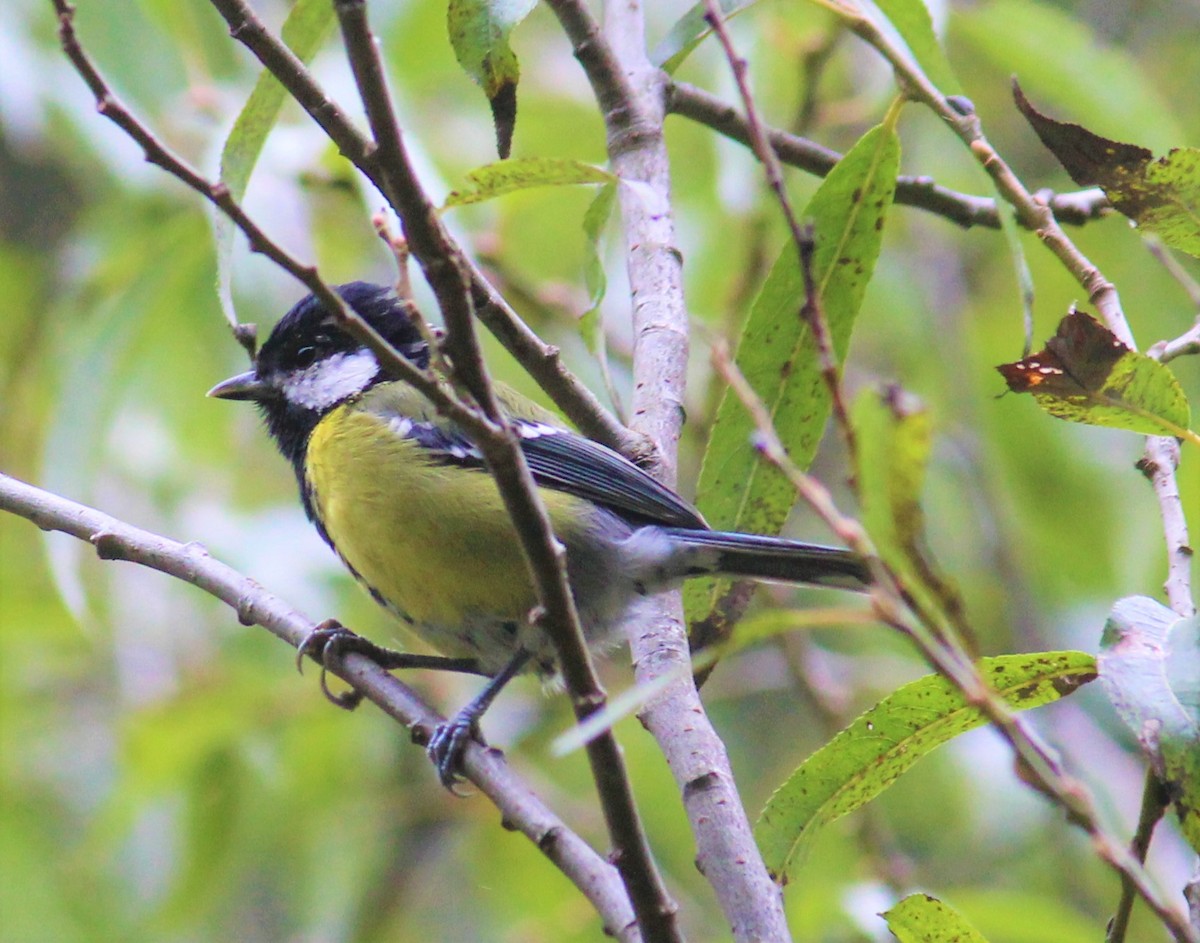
x=1166 y=258
x=923 y=193
x=440 y=258
x=1155 y=800
x=445 y=269
x=1039 y=764
x=540 y=360
x=1042 y=769
x=1032 y=210
x=768 y=443
x=117 y=540
x=111 y=107
x=1186 y=343
x=802 y=236
x=814 y=59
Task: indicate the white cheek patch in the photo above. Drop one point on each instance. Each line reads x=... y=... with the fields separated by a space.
x=331 y=380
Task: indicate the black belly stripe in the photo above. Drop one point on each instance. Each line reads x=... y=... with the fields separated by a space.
x=375 y=594
x=385 y=602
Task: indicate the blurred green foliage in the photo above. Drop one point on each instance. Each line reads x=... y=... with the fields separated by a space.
x=166 y=775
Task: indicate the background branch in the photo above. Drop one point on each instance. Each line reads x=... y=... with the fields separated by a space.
x=924 y=193
x=1155 y=802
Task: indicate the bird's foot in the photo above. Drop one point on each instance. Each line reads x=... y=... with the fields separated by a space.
x=448 y=744
x=329 y=643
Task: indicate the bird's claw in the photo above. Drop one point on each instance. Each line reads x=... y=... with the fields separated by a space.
x=326 y=644
x=315 y=644
x=446 y=748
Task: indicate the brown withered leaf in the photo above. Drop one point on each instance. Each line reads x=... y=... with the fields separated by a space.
x=1161 y=195
x=1077 y=360
x=1086 y=374
x=1090 y=159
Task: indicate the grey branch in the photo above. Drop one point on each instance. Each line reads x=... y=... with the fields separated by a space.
x=486 y=768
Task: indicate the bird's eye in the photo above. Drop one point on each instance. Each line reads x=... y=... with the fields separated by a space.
x=305 y=356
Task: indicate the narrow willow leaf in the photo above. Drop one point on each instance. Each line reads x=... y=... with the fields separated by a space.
x=879 y=746
x=509 y=176
x=479 y=31
x=894 y=436
x=920 y=918
x=1016 y=252
x=778 y=356
x=303 y=30
x=912 y=21
x=1162 y=196
x=1085 y=374
x=591 y=324
x=595 y=220
x=689 y=31
x=1150 y=669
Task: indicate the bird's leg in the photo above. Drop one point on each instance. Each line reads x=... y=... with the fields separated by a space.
x=330 y=641
x=450 y=739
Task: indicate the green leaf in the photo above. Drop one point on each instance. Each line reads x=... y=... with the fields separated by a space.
x=912 y=21
x=595 y=220
x=479 y=31
x=1167 y=201
x=509 y=176
x=689 y=31
x=303 y=31
x=778 y=356
x=1085 y=374
x=894 y=436
x=1150 y=669
x=591 y=324
x=879 y=746
x=1162 y=196
x=920 y=918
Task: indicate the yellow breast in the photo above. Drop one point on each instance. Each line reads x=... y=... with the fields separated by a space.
x=434 y=541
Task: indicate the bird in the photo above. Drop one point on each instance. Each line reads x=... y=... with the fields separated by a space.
x=404 y=498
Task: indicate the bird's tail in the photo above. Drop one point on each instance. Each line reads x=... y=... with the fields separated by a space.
x=769 y=558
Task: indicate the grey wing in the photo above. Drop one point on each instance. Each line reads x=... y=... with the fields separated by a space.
x=558 y=459
x=566 y=461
